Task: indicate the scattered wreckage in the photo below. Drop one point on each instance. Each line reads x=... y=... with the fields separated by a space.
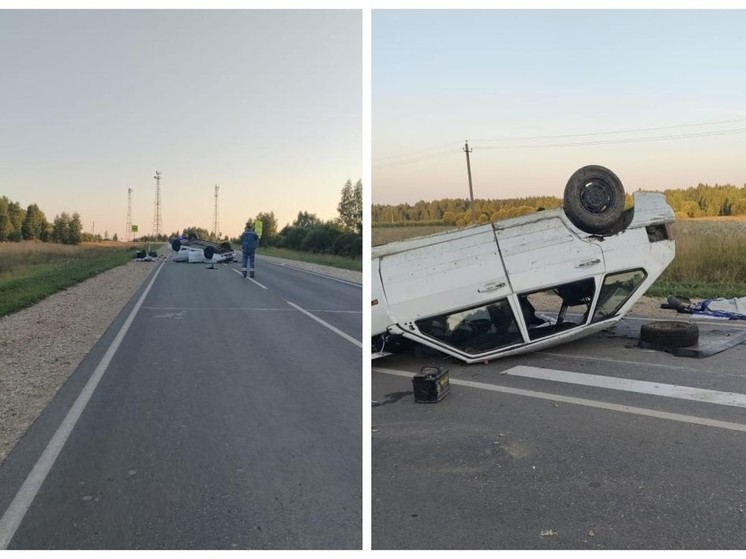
x=473 y=293
x=195 y=250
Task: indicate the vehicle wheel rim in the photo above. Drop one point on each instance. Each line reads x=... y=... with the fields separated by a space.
x=597 y=196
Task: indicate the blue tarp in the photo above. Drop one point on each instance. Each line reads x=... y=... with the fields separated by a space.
x=732 y=309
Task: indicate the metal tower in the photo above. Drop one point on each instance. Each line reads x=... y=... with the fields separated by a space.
x=215 y=228
x=128 y=228
x=157 y=207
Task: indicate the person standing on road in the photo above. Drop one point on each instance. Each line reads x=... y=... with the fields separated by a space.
x=249 y=242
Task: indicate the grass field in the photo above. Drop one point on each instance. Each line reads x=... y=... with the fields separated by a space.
x=31 y=271
x=710 y=256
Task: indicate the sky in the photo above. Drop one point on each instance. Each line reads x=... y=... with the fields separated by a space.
x=657 y=96
x=267 y=104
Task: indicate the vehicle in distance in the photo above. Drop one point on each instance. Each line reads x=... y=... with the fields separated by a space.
x=526 y=283
x=197 y=250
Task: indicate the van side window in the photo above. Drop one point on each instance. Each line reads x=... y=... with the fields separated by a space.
x=616 y=290
x=475 y=330
x=546 y=312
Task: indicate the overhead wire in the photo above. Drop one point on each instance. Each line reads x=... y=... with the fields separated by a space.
x=411 y=157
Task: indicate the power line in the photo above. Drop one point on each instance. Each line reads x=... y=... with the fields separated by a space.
x=411 y=157
x=407 y=161
x=418 y=152
x=609 y=132
x=623 y=140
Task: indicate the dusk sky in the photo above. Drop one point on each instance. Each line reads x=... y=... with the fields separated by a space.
x=265 y=103
x=655 y=95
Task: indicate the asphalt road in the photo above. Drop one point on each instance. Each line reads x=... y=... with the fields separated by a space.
x=229 y=417
x=597 y=444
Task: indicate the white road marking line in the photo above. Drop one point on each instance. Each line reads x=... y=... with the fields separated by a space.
x=327 y=325
x=18 y=508
x=240 y=273
x=212 y=309
x=584 y=402
x=628 y=385
x=314 y=273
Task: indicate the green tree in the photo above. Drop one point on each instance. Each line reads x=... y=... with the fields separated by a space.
x=74 y=230
x=269 y=225
x=198 y=232
x=60 y=228
x=34 y=223
x=4 y=219
x=350 y=206
x=15 y=218
x=306 y=219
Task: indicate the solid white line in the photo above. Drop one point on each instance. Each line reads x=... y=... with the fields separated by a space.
x=583 y=402
x=200 y=309
x=240 y=273
x=313 y=273
x=628 y=385
x=327 y=325
x=17 y=510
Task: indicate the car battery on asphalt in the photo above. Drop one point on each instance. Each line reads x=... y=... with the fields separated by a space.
x=431 y=385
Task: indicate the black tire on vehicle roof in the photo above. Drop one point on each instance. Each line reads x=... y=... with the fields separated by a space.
x=594 y=200
x=176 y=245
x=670 y=333
x=209 y=252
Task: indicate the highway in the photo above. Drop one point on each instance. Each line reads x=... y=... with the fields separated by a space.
x=596 y=444
x=216 y=412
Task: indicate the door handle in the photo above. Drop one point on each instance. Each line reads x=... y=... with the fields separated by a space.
x=491 y=287
x=588 y=263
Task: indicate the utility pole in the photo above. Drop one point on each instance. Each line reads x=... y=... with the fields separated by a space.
x=157 y=208
x=471 y=191
x=215 y=229
x=128 y=228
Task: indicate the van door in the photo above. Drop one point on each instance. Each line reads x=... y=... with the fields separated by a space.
x=454 y=270
x=545 y=252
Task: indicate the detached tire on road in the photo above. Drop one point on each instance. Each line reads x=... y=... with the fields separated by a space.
x=670 y=333
x=594 y=200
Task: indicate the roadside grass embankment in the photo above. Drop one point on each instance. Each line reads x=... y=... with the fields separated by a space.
x=31 y=271
x=354 y=264
x=710 y=257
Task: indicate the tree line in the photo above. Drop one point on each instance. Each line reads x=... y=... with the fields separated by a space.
x=342 y=235
x=697 y=201
x=307 y=233
x=31 y=224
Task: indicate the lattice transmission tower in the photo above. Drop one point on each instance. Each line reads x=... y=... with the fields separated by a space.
x=157 y=207
x=215 y=228
x=128 y=228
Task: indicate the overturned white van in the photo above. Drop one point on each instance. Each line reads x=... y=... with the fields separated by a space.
x=526 y=283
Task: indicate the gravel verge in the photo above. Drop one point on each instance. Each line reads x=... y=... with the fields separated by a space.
x=41 y=346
